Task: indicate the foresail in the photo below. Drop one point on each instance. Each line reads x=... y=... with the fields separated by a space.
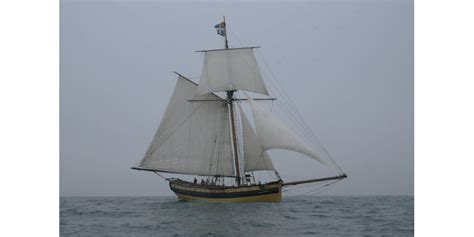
x=254 y=156
x=230 y=69
x=273 y=134
x=193 y=137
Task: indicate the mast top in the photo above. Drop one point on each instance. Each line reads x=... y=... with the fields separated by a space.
x=225 y=34
x=222 y=31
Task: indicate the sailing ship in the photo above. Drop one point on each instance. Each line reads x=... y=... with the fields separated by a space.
x=206 y=134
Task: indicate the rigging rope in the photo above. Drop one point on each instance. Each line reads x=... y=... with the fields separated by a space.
x=156 y=172
x=322 y=188
x=299 y=119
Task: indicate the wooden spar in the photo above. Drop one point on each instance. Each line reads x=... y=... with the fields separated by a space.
x=209 y=50
x=236 y=99
x=164 y=171
x=146 y=169
x=343 y=176
x=230 y=95
x=239 y=99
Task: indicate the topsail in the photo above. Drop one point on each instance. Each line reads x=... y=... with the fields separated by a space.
x=230 y=69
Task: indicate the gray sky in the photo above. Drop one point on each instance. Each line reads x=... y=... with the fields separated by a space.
x=347 y=65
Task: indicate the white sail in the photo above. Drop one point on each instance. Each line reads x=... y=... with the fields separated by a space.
x=193 y=137
x=230 y=69
x=273 y=134
x=254 y=156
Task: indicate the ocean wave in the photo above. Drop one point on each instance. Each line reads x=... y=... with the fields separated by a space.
x=324 y=216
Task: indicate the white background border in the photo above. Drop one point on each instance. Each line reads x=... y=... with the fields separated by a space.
x=444 y=117
x=29 y=118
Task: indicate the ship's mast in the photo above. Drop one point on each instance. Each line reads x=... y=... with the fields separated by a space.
x=225 y=34
x=230 y=101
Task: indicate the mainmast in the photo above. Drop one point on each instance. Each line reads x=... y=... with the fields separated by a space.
x=230 y=101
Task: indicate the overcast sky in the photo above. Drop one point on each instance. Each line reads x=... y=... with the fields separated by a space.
x=347 y=65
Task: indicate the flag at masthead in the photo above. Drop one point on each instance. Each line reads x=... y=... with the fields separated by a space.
x=222 y=31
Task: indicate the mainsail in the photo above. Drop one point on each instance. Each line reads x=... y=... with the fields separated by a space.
x=274 y=134
x=193 y=137
x=230 y=69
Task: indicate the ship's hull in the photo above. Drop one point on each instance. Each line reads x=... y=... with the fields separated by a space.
x=186 y=191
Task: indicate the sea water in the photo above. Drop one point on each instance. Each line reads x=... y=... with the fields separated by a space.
x=294 y=216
